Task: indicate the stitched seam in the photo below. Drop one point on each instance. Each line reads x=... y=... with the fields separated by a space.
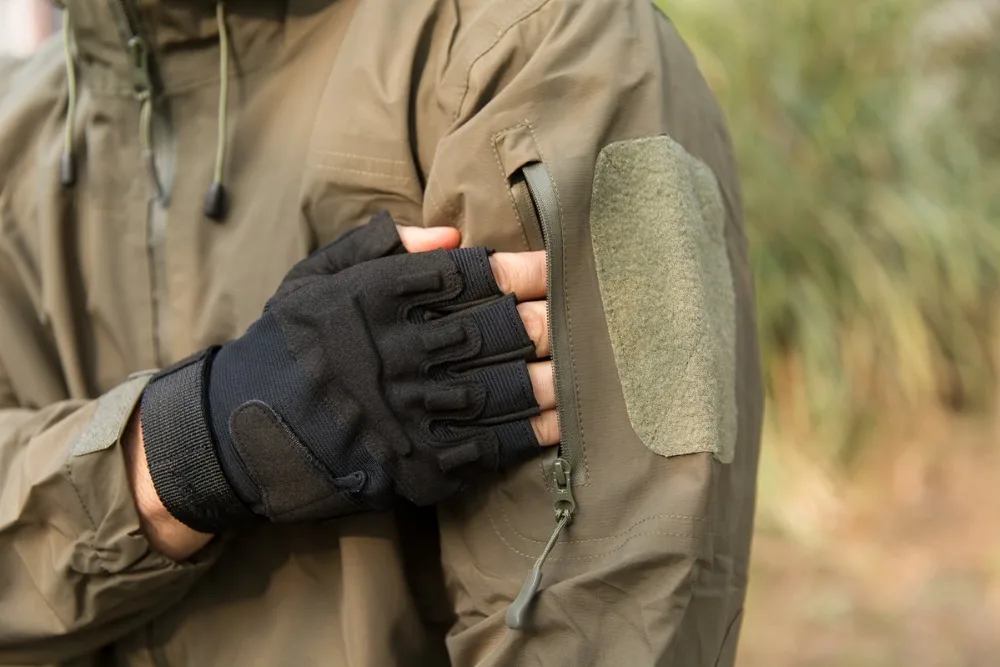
x=90 y=518
x=79 y=497
x=319 y=151
x=506 y=182
x=594 y=556
x=265 y=497
x=569 y=323
x=503 y=133
x=364 y=172
x=496 y=40
x=654 y=517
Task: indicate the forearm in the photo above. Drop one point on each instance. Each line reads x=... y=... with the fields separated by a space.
x=165 y=533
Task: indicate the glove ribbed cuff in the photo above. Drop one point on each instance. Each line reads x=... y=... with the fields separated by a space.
x=179 y=450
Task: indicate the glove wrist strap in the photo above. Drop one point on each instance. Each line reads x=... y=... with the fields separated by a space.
x=179 y=450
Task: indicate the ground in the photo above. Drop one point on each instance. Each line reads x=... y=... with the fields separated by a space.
x=901 y=566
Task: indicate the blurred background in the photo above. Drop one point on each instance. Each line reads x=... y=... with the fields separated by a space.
x=869 y=145
x=868 y=138
x=25 y=23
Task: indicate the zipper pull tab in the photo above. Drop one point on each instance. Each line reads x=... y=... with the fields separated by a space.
x=564 y=502
x=564 y=505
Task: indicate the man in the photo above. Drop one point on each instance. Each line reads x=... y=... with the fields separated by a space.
x=341 y=476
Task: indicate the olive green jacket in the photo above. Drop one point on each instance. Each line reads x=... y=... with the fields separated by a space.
x=578 y=126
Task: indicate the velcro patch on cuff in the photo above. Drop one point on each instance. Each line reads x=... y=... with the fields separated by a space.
x=113 y=411
x=657 y=224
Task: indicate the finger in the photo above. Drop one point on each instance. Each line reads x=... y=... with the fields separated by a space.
x=543 y=384
x=520 y=273
x=536 y=323
x=546 y=427
x=420 y=239
x=378 y=238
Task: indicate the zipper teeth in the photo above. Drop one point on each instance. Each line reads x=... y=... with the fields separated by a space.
x=132 y=36
x=144 y=88
x=548 y=314
x=544 y=220
x=155 y=230
x=131 y=23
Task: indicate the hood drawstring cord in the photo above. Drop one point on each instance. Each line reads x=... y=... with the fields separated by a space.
x=67 y=163
x=216 y=199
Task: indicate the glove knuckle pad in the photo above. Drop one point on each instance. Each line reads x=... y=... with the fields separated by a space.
x=478 y=279
x=502 y=329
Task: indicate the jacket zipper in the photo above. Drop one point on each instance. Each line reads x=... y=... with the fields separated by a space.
x=545 y=205
x=144 y=88
x=526 y=212
x=141 y=61
x=564 y=505
x=542 y=203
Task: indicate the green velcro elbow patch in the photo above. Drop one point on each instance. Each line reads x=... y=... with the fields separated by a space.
x=657 y=225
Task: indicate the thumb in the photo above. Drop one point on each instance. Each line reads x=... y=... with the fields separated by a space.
x=380 y=237
x=377 y=238
x=420 y=239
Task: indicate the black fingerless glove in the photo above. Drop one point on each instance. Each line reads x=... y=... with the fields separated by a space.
x=401 y=375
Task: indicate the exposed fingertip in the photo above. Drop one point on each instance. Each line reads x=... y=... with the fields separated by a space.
x=534 y=317
x=420 y=239
x=520 y=273
x=546 y=427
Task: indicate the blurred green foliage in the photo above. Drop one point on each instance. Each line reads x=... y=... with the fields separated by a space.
x=867 y=139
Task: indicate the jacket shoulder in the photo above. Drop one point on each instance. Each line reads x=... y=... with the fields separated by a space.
x=497 y=39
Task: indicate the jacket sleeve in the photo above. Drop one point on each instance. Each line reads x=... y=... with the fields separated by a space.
x=75 y=569
x=600 y=108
